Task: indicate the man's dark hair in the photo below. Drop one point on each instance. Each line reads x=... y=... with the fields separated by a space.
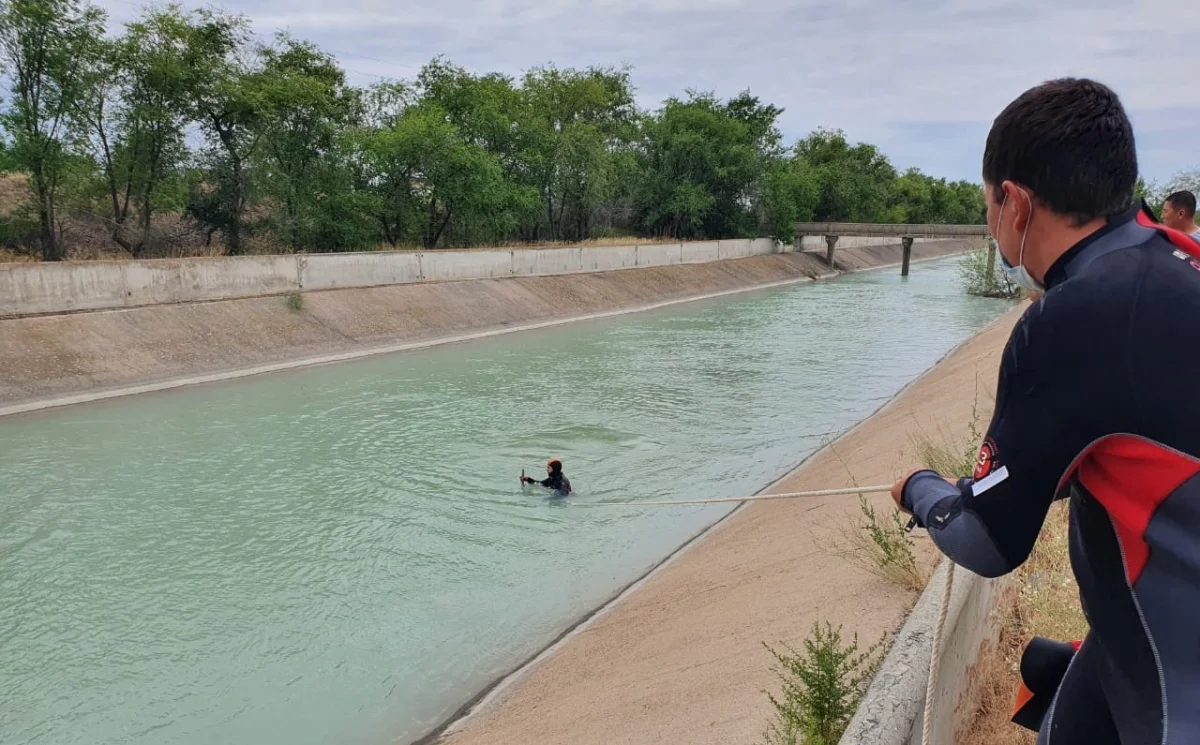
x=1070 y=142
x=1184 y=200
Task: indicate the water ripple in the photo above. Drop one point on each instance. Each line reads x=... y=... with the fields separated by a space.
x=343 y=554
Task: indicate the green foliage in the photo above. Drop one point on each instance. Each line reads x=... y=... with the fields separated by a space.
x=789 y=195
x=427 y=176
x=39 y=40
x=182 y=115
x=982 y=275
x=883 y=547
x=701 y=163
x=132 y=117
x=921 y=199
x=295 y=302
x=854 y=183
x=821 y=686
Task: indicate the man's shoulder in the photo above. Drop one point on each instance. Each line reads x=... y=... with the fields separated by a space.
x=1083 y=310
x=1154 y=274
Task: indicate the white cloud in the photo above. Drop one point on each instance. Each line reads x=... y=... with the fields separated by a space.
x=921 y=78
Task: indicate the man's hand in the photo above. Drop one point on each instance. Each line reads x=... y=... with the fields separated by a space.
x=898 y=490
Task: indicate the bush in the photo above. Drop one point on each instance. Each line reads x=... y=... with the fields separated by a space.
x=984 y=277
x=822 y=686
x=295 y=301
x=883 y=547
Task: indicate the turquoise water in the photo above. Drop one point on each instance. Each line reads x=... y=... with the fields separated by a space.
x=343 y=554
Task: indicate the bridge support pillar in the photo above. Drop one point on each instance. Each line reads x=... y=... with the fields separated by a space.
x=830 y=242
x=907 y=242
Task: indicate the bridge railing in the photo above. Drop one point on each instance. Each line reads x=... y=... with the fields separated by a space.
x=905 y=232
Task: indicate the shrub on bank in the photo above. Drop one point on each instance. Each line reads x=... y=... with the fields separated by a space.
x=983 y=275
x=822 y=686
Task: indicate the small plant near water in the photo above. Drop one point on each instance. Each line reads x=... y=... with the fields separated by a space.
x=883 y=547
x=822 y=686
x=295 y=301
x=950 y=459
x=983 y=276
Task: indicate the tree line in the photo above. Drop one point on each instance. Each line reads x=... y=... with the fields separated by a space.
x=184 y=127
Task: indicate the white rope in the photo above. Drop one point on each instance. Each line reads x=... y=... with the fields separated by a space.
x=935 y=657
x=756 y=498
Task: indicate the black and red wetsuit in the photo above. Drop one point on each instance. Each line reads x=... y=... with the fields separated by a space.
x=1098 y=402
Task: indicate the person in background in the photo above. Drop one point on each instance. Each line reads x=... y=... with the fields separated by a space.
x=1095 y=404
x=1179 y=213
x=555 y=479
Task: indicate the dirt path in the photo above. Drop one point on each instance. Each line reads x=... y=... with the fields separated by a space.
x=680 y=659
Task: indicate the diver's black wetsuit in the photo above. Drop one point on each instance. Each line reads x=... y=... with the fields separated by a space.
x=1097 y=403
x=557 y=482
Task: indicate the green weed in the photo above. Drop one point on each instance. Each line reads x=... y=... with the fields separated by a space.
x=821 y=686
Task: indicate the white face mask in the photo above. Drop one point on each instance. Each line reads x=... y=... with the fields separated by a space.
x=1018 y=274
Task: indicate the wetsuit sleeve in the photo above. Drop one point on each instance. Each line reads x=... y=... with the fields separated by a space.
x=1063 y=380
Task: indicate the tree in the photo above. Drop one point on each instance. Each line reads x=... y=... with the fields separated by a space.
x=304 y=104
x=427 y=177
x=39 y=40
x=135 y=109
x=702 y=161
x=577 y=121
x=789 y=196
x=227 y=101
x=855 y=182
x=339 y=213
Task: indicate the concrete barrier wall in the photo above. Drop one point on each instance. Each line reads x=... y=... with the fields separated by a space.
x=893 y=709
x=660 y=254
x=451 y=265
x=331 y=271
x=36 y=288
x=556 y=261
x=244 y=276
x=763 y=246
x=707 y=251
x=612 y=257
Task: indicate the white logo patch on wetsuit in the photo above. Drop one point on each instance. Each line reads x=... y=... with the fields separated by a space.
x=995 y=477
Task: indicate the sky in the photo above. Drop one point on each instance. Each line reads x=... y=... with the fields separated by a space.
x=921 y=79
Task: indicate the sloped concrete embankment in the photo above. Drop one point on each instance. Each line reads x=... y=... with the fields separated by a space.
x=84 y=355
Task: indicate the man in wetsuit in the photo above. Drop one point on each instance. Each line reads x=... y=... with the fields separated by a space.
x=555 y=480
x=1097 y=403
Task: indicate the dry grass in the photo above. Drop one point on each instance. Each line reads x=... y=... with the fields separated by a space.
x=947 y=455
x=882 y=547
x=622 y=240
x=1044 y=603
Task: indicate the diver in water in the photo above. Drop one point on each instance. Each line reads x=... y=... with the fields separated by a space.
x=555 y=480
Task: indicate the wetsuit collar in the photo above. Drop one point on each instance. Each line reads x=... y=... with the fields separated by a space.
x=1058 y=270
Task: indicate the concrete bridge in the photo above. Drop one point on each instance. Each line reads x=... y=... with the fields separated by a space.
x=906 y=233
